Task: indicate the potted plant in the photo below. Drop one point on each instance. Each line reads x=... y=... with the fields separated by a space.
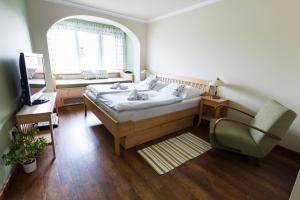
x=24 y=148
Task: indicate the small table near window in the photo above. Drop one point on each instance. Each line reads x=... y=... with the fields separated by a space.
x=208 y=106
x=39 y=113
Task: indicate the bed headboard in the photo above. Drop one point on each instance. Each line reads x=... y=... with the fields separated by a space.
x=197 y=83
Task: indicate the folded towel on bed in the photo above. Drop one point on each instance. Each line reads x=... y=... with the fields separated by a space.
x=119 y=101
x=135 y=96
x=101 y=89
x=119 y=85
x=115 y=86
x=123 y=87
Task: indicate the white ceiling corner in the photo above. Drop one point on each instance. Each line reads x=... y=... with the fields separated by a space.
x=183 y=10
x=144 y=11
x=94 y=9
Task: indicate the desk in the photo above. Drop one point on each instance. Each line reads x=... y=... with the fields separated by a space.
x=39 y=113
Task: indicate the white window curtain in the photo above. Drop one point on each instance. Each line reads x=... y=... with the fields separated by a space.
x=76 y=45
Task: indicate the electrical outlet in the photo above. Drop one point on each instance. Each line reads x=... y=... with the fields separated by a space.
x=12 y=131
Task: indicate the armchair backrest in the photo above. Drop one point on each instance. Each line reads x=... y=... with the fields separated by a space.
x=274 y=118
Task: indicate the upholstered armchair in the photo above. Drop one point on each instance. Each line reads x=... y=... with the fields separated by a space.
x=256 y=138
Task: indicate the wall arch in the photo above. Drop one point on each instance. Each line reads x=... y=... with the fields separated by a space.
x=130 y=34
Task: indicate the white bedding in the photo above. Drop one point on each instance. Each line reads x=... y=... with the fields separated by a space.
x=136 y=115
x=119 y=101
x=101 y=89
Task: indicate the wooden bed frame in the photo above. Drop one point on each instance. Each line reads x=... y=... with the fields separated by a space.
x=132 y=133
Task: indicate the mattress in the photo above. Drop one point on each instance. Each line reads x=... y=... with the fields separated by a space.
x=136 y=115
x=119 y=101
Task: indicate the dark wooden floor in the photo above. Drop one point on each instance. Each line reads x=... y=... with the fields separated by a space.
x=86 y=168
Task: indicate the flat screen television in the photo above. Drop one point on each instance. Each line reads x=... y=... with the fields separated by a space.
x=32 y=78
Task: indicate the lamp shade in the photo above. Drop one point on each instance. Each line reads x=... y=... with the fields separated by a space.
x=145 y=71
x=217 y=82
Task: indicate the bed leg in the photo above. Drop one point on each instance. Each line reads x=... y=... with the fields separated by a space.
x=117 y=145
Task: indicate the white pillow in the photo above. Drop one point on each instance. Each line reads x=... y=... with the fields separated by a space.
x=149 y=82
x=173 y=89
x=94 y=74
x=190 y=92
x=30 y=72
x=101 y=74
x=88 y=74
x=159 y=85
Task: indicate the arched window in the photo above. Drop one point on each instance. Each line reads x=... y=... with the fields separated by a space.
x=76 y=45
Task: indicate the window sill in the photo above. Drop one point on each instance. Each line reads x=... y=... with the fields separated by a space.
x=73 y=83
x=79 y=73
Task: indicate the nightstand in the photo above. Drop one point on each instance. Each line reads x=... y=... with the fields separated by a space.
x=208 y=106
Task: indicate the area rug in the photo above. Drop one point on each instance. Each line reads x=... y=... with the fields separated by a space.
x=169 y=154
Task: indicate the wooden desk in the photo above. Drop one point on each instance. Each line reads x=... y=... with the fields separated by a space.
x=210 y=105
x=39 y=113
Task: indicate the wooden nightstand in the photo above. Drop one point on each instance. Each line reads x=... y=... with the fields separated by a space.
x=207 y=108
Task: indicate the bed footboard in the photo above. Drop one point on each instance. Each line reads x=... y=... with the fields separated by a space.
x=110 y=123
x=132 y=133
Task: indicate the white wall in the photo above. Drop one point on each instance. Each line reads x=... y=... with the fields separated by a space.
x=14 y=38
x=42 y=15
x=253 y=45
x=130 y=54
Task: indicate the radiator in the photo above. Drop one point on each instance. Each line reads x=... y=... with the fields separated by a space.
x=72 y=101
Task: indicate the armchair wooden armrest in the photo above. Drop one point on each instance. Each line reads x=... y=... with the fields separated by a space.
x=232 y=108
x=248 y=125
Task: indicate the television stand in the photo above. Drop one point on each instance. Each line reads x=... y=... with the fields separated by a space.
x=29 y=115
x=45 y=125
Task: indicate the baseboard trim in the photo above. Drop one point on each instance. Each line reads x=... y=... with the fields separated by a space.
x=287 y=152
x=6 y=185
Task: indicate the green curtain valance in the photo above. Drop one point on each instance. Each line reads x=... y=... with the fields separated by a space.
x=83 y=25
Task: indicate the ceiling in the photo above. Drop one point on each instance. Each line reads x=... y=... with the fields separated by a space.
x=141 y=9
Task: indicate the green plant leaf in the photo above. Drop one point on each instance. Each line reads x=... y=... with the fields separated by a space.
x=25 y=147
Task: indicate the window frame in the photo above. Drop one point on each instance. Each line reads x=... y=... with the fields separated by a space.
x=56 y=71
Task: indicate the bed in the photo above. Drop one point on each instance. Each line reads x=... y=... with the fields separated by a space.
x=131 y=128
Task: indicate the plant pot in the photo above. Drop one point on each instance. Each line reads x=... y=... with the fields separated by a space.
x=29 y=166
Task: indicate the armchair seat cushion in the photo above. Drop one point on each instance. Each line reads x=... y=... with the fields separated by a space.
x=234 y=136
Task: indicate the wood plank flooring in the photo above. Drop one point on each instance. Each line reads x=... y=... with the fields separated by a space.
x=86 y=168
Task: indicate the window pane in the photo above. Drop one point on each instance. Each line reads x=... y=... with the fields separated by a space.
x=109 y=52
x=72 y=51
x=89 y=50
x=63 y=51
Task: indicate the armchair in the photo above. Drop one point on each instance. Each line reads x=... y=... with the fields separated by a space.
x=256 y=138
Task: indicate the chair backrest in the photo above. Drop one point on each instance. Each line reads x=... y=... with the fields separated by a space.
x=274 y=118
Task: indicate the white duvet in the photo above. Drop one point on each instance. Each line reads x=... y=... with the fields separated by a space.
x=101 y=89
x=119 y=102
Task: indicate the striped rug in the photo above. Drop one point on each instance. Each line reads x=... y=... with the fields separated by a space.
x=169 y=154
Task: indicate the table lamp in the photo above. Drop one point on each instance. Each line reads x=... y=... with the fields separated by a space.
x=145 y=71
x=216 y=83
